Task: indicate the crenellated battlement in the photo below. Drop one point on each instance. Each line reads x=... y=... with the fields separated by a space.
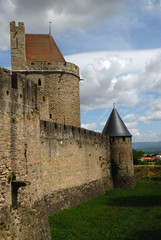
x=17 y=28
x=50 y=130
x=17 y=92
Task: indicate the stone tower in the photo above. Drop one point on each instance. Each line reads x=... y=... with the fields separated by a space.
x=121 y=151
x=17 y=38
x=38 y=57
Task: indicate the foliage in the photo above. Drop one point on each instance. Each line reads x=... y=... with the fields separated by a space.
x=137 y=155
x=120 y=214
x=157 y=162
x=142 y=163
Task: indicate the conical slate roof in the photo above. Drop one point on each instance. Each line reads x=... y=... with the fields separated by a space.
x=115 y=127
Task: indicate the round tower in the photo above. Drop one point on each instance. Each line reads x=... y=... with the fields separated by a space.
x=38 y=57
x=121 y=151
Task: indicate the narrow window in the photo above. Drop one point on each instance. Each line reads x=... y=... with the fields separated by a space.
x=44 y=98
x=14 y=195
x=16 y=42
x=124 y=139
x=7 y=92
x=44 y=123
x=39 y=82
x=15 y=187
x=112 y=139
x=50 y=115
x=14 y=80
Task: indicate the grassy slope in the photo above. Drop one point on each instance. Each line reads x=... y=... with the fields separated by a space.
x=118 y=215
x=148 y=172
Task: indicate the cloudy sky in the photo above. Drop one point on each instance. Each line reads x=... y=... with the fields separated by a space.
x=116 y=44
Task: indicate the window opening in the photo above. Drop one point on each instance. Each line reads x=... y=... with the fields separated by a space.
x=16 y=42
x=14 y=80
x=15 y=187
x=50 y=115
x=39 y=82
x=112 y=139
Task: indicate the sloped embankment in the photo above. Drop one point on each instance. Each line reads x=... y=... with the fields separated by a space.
x=147 y=172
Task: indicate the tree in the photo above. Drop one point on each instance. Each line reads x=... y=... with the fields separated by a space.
x=137 y=155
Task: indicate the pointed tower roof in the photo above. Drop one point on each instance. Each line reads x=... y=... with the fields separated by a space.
x=115 y=127
x=42 y=47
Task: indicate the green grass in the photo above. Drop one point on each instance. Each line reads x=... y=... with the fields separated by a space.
x=120 y=214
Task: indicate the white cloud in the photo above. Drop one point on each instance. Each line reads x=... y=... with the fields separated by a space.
x=129 y=117
x=135 y=133
x=118 y=77
x=102 y=123
x=90 y=126
x=104 y=85
x=151 y=116
x=149 y=136
x=64 y=15
x=131 y=125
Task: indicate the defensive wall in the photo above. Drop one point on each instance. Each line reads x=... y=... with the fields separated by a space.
x=47 y=162
x=45 y=166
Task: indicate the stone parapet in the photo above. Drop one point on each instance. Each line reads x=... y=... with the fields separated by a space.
x=50 y=129
x=52 y=66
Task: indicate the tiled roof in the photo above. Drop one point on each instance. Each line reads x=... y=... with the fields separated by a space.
x=115 y=127
x=42 y=47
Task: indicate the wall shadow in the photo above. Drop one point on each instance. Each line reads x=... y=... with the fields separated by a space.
x=146 y=235
x=135 y=201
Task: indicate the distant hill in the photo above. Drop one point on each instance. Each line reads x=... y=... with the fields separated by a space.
x=147 y=146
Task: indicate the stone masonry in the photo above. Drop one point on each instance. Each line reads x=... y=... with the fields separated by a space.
x=47 y=162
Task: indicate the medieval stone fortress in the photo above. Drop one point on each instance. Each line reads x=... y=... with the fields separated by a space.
x=47 y=161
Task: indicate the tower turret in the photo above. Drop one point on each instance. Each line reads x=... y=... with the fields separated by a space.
x=17 y=38
x=121 y=151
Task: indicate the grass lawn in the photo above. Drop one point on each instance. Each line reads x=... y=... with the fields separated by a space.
x=120 y=214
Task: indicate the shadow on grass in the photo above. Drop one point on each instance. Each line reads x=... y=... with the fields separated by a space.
x=135 y=201
x=148 y=235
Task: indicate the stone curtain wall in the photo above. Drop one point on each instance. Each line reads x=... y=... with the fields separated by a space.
x=19 y=147
x=75 y=167
x=72 y=157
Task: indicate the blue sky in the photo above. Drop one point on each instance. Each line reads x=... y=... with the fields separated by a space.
x=117 y=46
